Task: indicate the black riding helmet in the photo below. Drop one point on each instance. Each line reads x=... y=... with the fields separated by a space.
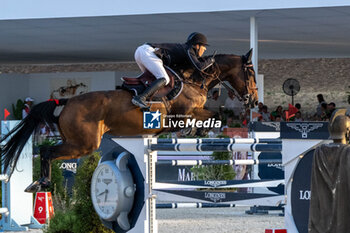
x=197 y=38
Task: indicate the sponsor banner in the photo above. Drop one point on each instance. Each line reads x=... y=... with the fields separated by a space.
x=300 y=193
x=170 y=173
x=69 y=170
x=69 y=166
x=304 y=130
x=216 y=197
x=264 y=126
x=271 y=171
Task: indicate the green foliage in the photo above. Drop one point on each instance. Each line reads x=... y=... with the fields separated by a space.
x=78 y=213
x=62 y=222
x=17 y=110
x=56 y=175
x=83 y=207
x=165 y=135
x=215 y=172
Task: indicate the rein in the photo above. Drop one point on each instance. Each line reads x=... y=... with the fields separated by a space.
x=216 y=75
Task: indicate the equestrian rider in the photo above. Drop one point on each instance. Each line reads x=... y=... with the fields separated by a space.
x=152 y=56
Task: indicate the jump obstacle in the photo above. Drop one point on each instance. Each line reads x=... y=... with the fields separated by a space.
x=294 y=146
x=17 y=206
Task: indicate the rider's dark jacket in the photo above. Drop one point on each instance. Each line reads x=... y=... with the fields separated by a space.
x=181 y=55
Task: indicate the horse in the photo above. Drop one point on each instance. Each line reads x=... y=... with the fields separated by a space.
x=86 y=118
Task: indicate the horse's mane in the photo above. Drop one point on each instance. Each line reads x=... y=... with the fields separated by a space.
x=226 y=59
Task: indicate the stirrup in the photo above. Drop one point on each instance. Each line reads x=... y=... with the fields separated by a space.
x=136 y=100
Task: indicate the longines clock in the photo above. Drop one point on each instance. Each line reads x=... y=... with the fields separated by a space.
x=112 y=190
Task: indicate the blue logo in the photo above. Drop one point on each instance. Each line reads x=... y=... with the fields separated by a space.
x=151 y=120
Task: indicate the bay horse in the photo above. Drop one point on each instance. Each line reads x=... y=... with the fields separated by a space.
x=85 y=118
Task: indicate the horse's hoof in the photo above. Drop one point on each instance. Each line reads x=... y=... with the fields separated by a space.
x=38 y=185
x=33 y=187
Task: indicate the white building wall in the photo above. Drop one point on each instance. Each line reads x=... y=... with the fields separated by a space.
x=12 y=88
x=38 y=86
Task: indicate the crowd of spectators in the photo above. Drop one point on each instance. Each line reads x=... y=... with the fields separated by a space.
x=232 y=111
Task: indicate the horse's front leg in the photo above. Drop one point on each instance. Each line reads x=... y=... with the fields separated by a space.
x=58 y=152
x=45 y=172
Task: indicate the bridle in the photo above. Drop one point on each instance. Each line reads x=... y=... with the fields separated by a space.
x=215 y=75
x=247 y=68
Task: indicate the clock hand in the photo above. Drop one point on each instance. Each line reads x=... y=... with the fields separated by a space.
x=102 y=193
x=106 y=195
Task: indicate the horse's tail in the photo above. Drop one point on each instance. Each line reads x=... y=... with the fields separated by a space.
x=19 y=135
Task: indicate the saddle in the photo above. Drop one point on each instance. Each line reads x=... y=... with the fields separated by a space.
x=139 y=84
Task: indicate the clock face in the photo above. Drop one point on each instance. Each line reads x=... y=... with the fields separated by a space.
x=104 y=191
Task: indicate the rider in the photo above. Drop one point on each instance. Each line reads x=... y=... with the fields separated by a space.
x=152 y=56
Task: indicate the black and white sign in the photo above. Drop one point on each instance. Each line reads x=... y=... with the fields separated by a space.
x=300 y=193
x=304 y=130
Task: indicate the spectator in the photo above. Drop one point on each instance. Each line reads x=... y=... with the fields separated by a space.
x=298 y=106
x=319 y=109
x=28 y=102
x=213 y=104
x=265 y=114
x=330 y=109
x=284 y=115
x=246 y=117
x=277 y=112
x=233 y=104
x=298 y=117
x=229 y=123
x=278 y=118
x=323 y=116
x=260 y=106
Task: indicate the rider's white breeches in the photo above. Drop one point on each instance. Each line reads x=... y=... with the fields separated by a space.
x=146 y=59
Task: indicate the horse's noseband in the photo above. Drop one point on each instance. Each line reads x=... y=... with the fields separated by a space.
x=246 y=98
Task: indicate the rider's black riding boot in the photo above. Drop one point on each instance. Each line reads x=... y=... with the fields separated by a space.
x=44 y=181
x=140 y=100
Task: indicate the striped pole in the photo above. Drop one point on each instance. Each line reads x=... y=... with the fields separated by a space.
x=218 y=140
x=222 y=147
x=218 y=162
x=216 y=184
x=178 y=205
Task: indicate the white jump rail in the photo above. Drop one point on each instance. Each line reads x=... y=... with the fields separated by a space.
x=17 y=205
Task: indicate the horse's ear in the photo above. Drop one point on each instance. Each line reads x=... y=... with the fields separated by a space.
x=249 y=55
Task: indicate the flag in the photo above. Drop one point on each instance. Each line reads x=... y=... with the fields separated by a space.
x=6 y=113
x=244 y=122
